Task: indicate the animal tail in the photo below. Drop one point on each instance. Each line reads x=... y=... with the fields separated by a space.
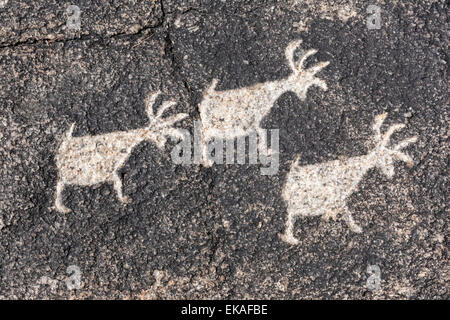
x=69 y=132
x=212 y=86
x=67 y=136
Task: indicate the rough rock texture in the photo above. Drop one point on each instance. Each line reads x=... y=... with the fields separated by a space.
x=196 y=232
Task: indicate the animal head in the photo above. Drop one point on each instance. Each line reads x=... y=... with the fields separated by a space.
x=384 y=157
x=301 y=79
x=159 y=128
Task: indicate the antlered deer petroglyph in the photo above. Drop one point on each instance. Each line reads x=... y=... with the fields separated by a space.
x=90 y=160
x=323 y=189
x=236 y=113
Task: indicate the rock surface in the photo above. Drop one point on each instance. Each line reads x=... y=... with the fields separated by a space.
x=195 y=232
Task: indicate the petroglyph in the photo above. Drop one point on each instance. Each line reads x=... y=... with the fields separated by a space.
x=323 y=189
x=236 y=113
x=90 y=160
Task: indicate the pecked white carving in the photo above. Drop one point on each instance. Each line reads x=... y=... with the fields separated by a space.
x=235 y=113
x=323 y=189
x=89 y=160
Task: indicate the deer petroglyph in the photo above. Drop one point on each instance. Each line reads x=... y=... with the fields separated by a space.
x=235 y=113
x=323 y=189
x=89 y=160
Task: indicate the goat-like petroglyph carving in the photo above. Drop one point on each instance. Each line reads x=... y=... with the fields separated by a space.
x=323 y=189
x=235 y=113
x=90 y=160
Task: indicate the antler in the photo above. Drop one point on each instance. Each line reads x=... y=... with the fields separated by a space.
x=403 y=156
x=289 y=52
x=383 y=140
x=377 y=126
x=164 y=124
x=150 y=104
x=299 y=66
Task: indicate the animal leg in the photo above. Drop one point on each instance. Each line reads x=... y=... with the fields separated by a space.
x=118 y=187
x=58 y=198
x=350 y=222
x=288 y=235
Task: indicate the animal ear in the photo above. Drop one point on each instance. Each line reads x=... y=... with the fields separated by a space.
x=300 y=65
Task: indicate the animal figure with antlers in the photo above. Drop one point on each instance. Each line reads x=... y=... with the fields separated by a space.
x=323 y=189
x=236 y=113
x=90 y=160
